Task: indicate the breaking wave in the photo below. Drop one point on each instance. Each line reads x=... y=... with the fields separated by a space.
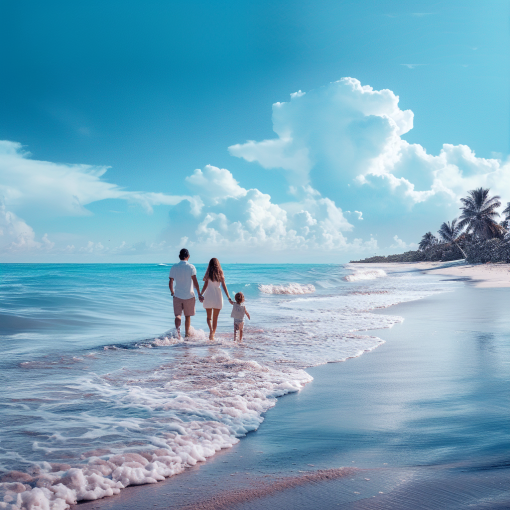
x=290 y=288
x=365 y=274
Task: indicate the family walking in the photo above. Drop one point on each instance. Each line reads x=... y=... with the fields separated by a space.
x=183 y=281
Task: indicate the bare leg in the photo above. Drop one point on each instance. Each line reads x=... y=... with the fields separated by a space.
x=216 y=312
x=241 y=331
x=178 y=325
x=235 y=331
x=209 y=322
x=187 y=325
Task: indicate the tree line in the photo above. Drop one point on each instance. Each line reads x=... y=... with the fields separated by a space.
x=476 y=235
x=478 y=221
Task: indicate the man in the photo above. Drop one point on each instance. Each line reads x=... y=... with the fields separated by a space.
x=183 y=277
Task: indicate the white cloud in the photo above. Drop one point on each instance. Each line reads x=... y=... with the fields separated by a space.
x=93 y=248
x=15 y=234
x=402 y=245
x=47 y=243
x=214 y=184
x=235 y=217
x=340 y=127
x=358 y=213
x=42 y=187
x=345 y=140
x=279 y=153
x=65 y=189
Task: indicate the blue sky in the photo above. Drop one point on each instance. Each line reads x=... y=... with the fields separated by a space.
x=107 y=110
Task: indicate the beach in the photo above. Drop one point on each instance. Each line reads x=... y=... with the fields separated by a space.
x=480 y=275
x=421 y=423
x=357 y=387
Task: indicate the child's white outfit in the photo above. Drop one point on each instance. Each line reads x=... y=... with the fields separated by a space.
x=238 y=313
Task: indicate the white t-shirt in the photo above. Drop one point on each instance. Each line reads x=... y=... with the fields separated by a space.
x=238 y=312
x=183 y=284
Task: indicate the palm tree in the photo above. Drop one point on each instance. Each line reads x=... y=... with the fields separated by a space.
x=506 y=211
x=450 y=233
x=479 y=213
x=505 y=224
x=427 y=241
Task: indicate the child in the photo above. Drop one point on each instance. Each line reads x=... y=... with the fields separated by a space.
x=238 y=313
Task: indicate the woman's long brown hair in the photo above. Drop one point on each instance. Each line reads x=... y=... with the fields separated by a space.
x=214 y=271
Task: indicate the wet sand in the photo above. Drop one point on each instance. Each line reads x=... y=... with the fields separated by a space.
x=480 y=275
x=419 y=423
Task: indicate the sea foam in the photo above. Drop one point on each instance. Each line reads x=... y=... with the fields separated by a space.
x=290 y=288
x=365 y=274
x=227 y=395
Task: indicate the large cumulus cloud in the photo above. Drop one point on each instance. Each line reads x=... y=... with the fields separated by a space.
x=345 y=140
x=339 y=130
x=240 y=219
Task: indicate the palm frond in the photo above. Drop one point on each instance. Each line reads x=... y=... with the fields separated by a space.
x=449 y=232
x=479 y=213
x=427 y=241
x=506 y=211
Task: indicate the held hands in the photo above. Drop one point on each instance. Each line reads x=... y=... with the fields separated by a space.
x=230 y=301
x=201 y=298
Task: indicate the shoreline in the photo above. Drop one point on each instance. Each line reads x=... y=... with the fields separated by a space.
x=360 y=399
x=490 y=275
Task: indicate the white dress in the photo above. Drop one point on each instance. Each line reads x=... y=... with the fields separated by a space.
x=212 y=296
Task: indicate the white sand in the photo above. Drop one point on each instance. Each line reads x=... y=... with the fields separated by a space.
x=482 y=275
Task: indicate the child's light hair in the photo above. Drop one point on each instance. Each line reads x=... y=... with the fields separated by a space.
x=239 y=297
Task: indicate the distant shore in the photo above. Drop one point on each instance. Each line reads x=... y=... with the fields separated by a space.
x=481 y=275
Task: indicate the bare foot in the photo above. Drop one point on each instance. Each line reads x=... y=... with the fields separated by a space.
x=211 y=336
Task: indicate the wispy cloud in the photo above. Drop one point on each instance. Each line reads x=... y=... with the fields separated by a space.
x=58 y=189
x=413 y=66
x=65 y=189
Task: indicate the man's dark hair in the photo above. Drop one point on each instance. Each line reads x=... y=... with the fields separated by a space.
x=183 y=254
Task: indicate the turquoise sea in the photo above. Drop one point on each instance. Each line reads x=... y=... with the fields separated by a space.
x=99 y=393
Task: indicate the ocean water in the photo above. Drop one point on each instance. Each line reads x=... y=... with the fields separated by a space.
x=99 y=394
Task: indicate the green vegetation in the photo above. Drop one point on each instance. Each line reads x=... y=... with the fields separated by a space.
x=476 y=236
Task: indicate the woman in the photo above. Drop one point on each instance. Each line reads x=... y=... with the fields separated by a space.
x=213 y=300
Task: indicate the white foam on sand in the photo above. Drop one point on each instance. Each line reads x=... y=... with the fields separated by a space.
x=201 y=400
x=226 y=396
x=290 y=288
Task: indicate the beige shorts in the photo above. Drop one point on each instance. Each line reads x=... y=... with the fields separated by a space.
x=184 y=305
